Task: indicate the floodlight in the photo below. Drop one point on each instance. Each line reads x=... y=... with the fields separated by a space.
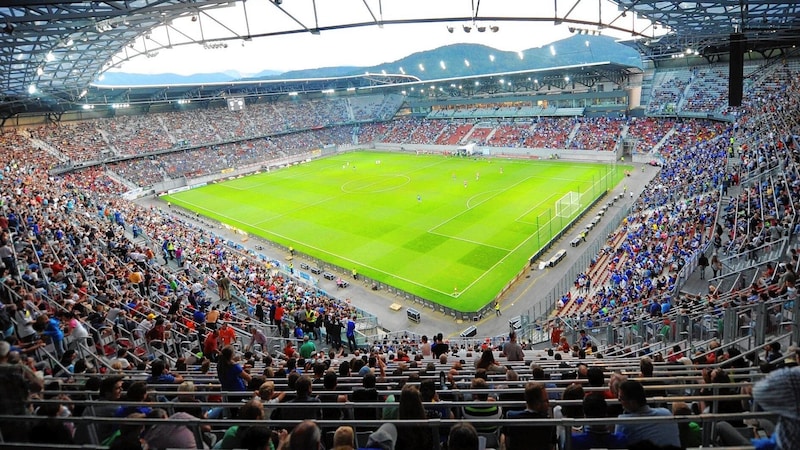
x=481 y=29
x=494 y=28
x=32 y=89
x=450 y=29
x=466 y=28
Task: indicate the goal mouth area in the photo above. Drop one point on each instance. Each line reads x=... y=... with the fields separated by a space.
x=568 y=205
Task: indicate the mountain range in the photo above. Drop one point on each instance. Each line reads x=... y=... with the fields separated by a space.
x=451 y=61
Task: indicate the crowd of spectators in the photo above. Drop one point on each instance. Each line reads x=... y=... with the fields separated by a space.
x=83 y=268
x=648 y=131
x=675 y=217
x=126 y=135
x=668 y=92
x=600 y=133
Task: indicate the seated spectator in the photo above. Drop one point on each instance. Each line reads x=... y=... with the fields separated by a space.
x=252 y=410
x=344 y=438
x=531 y=437
x=463 y=436
x=159 y=374
x=691 y=433
x=597 y=436
x=303 y=396
x=384 y=438
x=484 y=407
x=165 y=435
x=419 y=435
x=779 y=393
x=573 y=392
x=634 y=402
x=488 y=363
x=305 y=436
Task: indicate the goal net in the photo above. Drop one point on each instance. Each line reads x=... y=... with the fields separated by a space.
x=568 y=205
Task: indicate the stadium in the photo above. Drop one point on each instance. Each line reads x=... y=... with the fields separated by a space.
x=598 y=254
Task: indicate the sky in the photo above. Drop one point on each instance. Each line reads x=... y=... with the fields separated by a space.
x=363 y=46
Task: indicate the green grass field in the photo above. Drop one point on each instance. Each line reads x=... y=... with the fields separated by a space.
x=452 y=230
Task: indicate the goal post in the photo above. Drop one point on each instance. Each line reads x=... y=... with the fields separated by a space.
x=568 y=205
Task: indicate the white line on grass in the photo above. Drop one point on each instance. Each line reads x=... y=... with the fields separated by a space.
x=357 y=263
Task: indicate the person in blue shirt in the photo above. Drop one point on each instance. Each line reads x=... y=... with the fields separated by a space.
x=231 y=375
x=597 y=436
x=351 y=333
x=159 y=374
x=51 y=328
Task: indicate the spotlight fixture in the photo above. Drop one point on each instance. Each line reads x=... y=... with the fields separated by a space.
x=494 y=28
x=481 y=29
x=571 y=29
x=466 y=28
x=450 y=29
x=194 y=18
x=8 y=29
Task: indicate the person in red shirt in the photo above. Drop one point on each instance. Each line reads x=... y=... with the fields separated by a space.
x=278 y=314
x=226 y=335
x=211 y=346
x=555 y=335
x=289 y=350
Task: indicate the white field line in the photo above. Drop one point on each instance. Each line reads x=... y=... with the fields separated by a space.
x=361 y=264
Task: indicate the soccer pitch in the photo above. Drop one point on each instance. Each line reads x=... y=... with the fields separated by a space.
x=451 y=230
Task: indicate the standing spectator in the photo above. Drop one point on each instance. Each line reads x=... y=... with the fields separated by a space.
x=716 y=265
x=211 y=346
x=634 y=402
x=224 y=288
x=212 y=317
x=231 y=375
x=336 y=333
x=308 y=348
x=702 y=262
x=257 y=337
x=425 y=347
x=532 y=437
x=351 y=333
x=512 y=349
x=279 y=311
x=439 y=348
x=260 y=313
x=227 y=336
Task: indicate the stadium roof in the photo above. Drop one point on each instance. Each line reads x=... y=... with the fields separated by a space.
x=53 y=50
x=705 y=27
